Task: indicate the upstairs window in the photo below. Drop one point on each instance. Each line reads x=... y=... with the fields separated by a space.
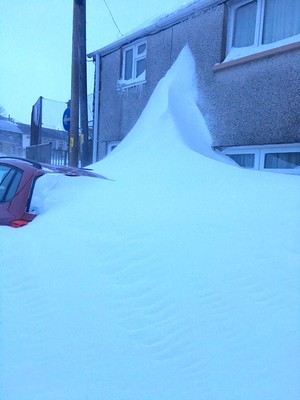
x=257 y=25
x=134 y=64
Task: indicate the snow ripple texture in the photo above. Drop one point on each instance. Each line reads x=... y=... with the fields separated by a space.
x=177 y=279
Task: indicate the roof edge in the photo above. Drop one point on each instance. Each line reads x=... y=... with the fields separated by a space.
x=156 y=26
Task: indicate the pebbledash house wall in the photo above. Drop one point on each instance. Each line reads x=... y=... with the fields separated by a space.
x=253 y=101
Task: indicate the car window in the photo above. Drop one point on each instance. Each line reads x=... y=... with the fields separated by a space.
x=4 y=169
x=9 y=181
x=34 y=204
x=40 y=190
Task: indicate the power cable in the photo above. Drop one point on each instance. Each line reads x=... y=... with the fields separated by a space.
x=112 y=17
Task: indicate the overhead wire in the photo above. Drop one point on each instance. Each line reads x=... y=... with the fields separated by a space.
x=112 y=17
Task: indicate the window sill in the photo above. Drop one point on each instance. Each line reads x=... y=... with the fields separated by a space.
x=122 y=85
x=256 y=56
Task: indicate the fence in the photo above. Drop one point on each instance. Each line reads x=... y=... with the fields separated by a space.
x=47 y=127
x=46 y=154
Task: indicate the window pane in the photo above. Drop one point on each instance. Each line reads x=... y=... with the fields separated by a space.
x=244 y=25
x=281 y=20
x=9 y=182
x=128 y=64
x=243 y=160
x=140 y=67
x=282 y=160
x=141 y=48
x=37 y=197
x=3 y=172
x=13 y=186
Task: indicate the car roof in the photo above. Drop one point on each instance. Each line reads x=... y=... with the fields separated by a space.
x=29 y=165
x=20 y=162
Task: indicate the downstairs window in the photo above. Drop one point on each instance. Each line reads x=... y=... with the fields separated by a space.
x=275 y=158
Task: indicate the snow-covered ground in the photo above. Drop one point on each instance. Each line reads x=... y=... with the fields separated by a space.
x=178 y=279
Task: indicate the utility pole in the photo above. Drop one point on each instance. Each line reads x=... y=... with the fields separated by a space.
x=83 y=106
x=78 y=85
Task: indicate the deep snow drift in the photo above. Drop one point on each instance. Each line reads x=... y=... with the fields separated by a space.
x=179 y=279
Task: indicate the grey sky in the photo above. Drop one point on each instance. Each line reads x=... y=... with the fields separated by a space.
x=36 y=39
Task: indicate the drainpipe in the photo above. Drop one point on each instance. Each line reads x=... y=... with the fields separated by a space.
x=97 y=108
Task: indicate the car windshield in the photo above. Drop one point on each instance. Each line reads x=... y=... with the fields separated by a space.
x=9 y=181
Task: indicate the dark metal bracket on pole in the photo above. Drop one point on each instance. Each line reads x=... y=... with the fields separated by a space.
x=79 y=116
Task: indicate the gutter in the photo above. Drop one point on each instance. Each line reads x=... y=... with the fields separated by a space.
x=157 y=26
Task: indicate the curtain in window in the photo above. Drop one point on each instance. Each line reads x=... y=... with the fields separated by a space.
x=244 y=160
x=282 y=160
x=281 y=20
x=244 y=25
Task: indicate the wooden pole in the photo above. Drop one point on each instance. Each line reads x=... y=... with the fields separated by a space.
x=79 y=112
x=74 y=115
x=83 y=106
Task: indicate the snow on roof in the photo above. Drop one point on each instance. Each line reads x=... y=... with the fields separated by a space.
x=8 y=126
x=156 y=25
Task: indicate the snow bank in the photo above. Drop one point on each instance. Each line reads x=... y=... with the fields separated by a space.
x=176 y=97
x=177 y=280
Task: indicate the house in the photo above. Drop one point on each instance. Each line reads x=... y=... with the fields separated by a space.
x=15 y=142
x=10 y=138
x=247 y=55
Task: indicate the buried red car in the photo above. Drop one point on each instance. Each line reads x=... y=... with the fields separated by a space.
x=17 y=182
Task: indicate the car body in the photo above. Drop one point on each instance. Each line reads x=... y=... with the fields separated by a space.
x=17 y=181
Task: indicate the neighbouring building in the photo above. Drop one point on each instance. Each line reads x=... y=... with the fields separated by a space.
x=15 y=140
x=11 y=138
x=247 y=55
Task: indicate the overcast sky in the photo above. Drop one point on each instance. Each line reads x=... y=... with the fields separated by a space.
x=36 y=41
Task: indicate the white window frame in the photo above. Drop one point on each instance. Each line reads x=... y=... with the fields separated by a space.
x=258 y=47
x=239 y=150
x=278 y=149
x=111 y=146
x=260 y=154
x=136 y=57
